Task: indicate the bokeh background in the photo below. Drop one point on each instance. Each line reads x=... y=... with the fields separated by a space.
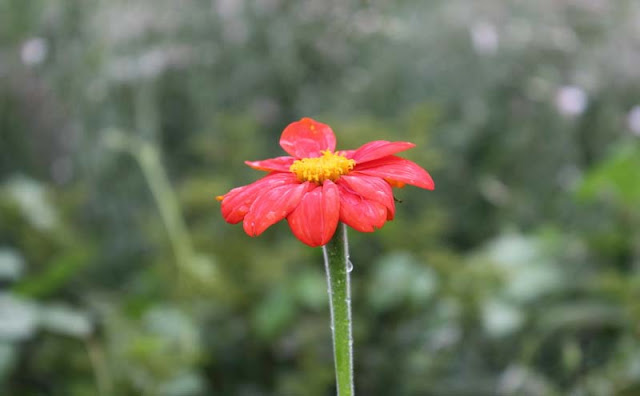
x=120 y=121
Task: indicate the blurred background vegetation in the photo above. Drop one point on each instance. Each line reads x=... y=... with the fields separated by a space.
x=120 y=121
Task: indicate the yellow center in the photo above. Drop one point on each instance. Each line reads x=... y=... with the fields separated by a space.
x=329 y=166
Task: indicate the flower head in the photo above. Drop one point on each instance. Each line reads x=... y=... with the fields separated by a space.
x=316 y=187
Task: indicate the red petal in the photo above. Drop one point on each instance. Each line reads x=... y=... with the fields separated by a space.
x=280 y=164
x=396 y=170
x=359 y=213
x=378 y=149
x=315 y=219
x=371 y=188
x=272 y=206
x=236 y=203
x=306 y=138
x=346 y=153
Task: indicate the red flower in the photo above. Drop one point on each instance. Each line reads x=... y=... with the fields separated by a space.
x=317 y=187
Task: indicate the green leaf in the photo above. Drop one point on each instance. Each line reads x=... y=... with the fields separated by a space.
x=58 y=272
x=618 y=176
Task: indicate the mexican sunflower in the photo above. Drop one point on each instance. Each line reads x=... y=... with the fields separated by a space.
x=316 y=187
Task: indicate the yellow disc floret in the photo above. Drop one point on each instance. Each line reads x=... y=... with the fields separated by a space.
x=328 y=166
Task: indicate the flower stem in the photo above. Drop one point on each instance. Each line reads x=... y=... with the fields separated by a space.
x=336 y=261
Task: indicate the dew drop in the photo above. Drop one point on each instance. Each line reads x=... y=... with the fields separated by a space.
x=349 y=265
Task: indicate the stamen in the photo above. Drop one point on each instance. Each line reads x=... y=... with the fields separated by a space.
x=329 y=166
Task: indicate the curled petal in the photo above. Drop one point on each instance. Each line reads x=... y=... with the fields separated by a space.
x=280 y=164
x=237 y=202
x=272 y=206
x=307 y=138
x=372 y=188
x=360 y=213
x=378 y=149
x=315 y=219
x=396 y=170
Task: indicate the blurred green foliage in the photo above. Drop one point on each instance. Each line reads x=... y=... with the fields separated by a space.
x=120 y=122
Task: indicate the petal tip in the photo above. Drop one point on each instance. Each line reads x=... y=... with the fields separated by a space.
x=307 y=138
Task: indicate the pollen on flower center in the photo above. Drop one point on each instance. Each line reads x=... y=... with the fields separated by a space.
x=329 y=166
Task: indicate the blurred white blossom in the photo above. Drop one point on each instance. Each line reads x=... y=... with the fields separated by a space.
x=63 y=319
x=571 y=100
x=11 y=264
x=501 y=318
x=484 y=37
x=31 y=198
x=34 y=51
x=633 y=120
x=18 y=318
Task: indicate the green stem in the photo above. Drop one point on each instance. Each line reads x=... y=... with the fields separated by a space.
x=336 y=261
x=99 y=365
x=166 y=201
